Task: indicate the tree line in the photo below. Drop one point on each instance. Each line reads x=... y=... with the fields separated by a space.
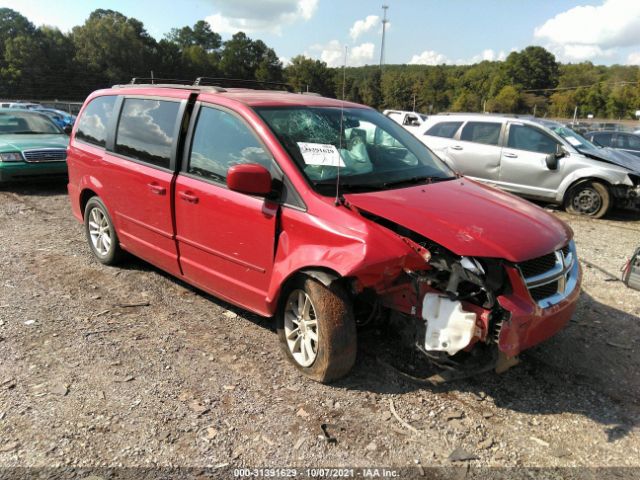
x=111 y=48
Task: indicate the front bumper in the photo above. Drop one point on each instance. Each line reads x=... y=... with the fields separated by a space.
x=627 y=197
x=15 y=171
x=528 y=323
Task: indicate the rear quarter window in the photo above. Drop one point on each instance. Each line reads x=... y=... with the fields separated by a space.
x=94 y=121
x=444 y=129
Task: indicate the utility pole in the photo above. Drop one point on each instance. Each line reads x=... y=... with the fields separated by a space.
x=384 y=27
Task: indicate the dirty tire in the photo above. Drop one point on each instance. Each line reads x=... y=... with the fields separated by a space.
x=591 y=199
x=336 y=330
x=97 y=218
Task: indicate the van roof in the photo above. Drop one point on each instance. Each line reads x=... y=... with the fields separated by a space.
x=247 y=96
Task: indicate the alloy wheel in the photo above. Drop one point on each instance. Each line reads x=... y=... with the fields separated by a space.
x=301 y=328
x=100 y=232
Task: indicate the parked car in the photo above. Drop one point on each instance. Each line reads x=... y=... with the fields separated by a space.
x=20 y=105
x=60 y=117
x=301 y=207
x=535 y=158
x=31 y=146
x=409 y=120
x=628 y=142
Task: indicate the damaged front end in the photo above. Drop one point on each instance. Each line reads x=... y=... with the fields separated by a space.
x=628 y=197
x=467 y=315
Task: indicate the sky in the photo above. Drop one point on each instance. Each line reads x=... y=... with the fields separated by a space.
x=419 y=31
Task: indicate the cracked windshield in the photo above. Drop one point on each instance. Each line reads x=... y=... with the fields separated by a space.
x=370 y=151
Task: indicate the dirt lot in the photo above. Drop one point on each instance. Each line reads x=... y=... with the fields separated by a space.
x=127 y=366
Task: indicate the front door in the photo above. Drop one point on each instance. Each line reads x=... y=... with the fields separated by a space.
x=226 y=239
x=523 y=166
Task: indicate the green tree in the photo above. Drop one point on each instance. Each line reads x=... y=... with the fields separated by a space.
x=466 y=101
x=370 y=91
x=532 y=68
x=247 y=59
x=113 y=46
x=305 y=74
x=200 y=35
x=12 y=25
x=508 y=100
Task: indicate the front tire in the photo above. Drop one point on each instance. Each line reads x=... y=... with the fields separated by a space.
x=101 y=235
x=590 y=199
x=317 y=330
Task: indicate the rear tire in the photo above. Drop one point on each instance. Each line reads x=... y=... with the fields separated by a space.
x=317 y=330
x=590 y=199
x=100 y=232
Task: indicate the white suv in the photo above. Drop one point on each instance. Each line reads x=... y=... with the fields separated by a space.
x=535 y=158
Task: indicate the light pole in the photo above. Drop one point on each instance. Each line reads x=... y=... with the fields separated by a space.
x=384 y=28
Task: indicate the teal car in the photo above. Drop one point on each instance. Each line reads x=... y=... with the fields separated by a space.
x=31 y=146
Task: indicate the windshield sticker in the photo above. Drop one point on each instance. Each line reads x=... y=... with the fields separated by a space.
x=320 y=154
x=573 y=141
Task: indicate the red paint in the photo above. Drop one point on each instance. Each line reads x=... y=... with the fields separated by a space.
x=243 y=248
x=470 y=219
x=249 y=178
x=529 y=324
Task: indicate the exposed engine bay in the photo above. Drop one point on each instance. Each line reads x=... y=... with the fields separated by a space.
x=447 y=307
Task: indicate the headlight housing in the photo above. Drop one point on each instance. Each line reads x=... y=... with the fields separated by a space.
x=11 y=157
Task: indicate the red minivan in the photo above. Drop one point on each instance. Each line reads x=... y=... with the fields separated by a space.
x=323 y=213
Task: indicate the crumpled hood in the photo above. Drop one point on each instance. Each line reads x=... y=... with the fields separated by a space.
x=470 y=219
x=12 y=143
x=611 y=155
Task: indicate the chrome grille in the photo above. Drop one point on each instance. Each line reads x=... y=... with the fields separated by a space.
x=552 y=277
x=45 y=155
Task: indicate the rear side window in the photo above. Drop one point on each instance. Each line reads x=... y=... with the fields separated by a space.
x=603 y=139
x=628 y=141
x=444 y=129
x=487 y=133
x=523 y=137
x=220 y=141
x=145 y=130
x=93 y=124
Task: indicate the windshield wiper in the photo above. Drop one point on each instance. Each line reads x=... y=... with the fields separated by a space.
x=415 y=180
x=29 y=132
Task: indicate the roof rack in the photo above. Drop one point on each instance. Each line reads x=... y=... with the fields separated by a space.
x=211 y=83
x=241 y=83
x=489 y=114
x=138 y=82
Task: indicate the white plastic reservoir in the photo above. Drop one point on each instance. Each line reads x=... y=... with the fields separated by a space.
x=449 y=328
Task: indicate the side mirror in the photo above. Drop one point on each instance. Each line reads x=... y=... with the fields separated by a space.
x=249 y=178
x=552 y=159
x=67 y=129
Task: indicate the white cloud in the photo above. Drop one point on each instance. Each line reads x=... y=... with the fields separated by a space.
x=361 y=27
x=361 y=54
x=429 y=57
x=633 y=58
x=250 y=16
x=332 y=53
x=585 y=32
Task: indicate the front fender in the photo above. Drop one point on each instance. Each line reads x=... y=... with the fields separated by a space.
x=365 y=251
x=611 y=177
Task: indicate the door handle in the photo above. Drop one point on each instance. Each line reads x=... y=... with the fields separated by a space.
x=510 y=155
x=157 y=189
x=188 y=197
x=456 y=147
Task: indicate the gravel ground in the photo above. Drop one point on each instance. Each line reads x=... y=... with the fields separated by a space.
x=127 y=366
